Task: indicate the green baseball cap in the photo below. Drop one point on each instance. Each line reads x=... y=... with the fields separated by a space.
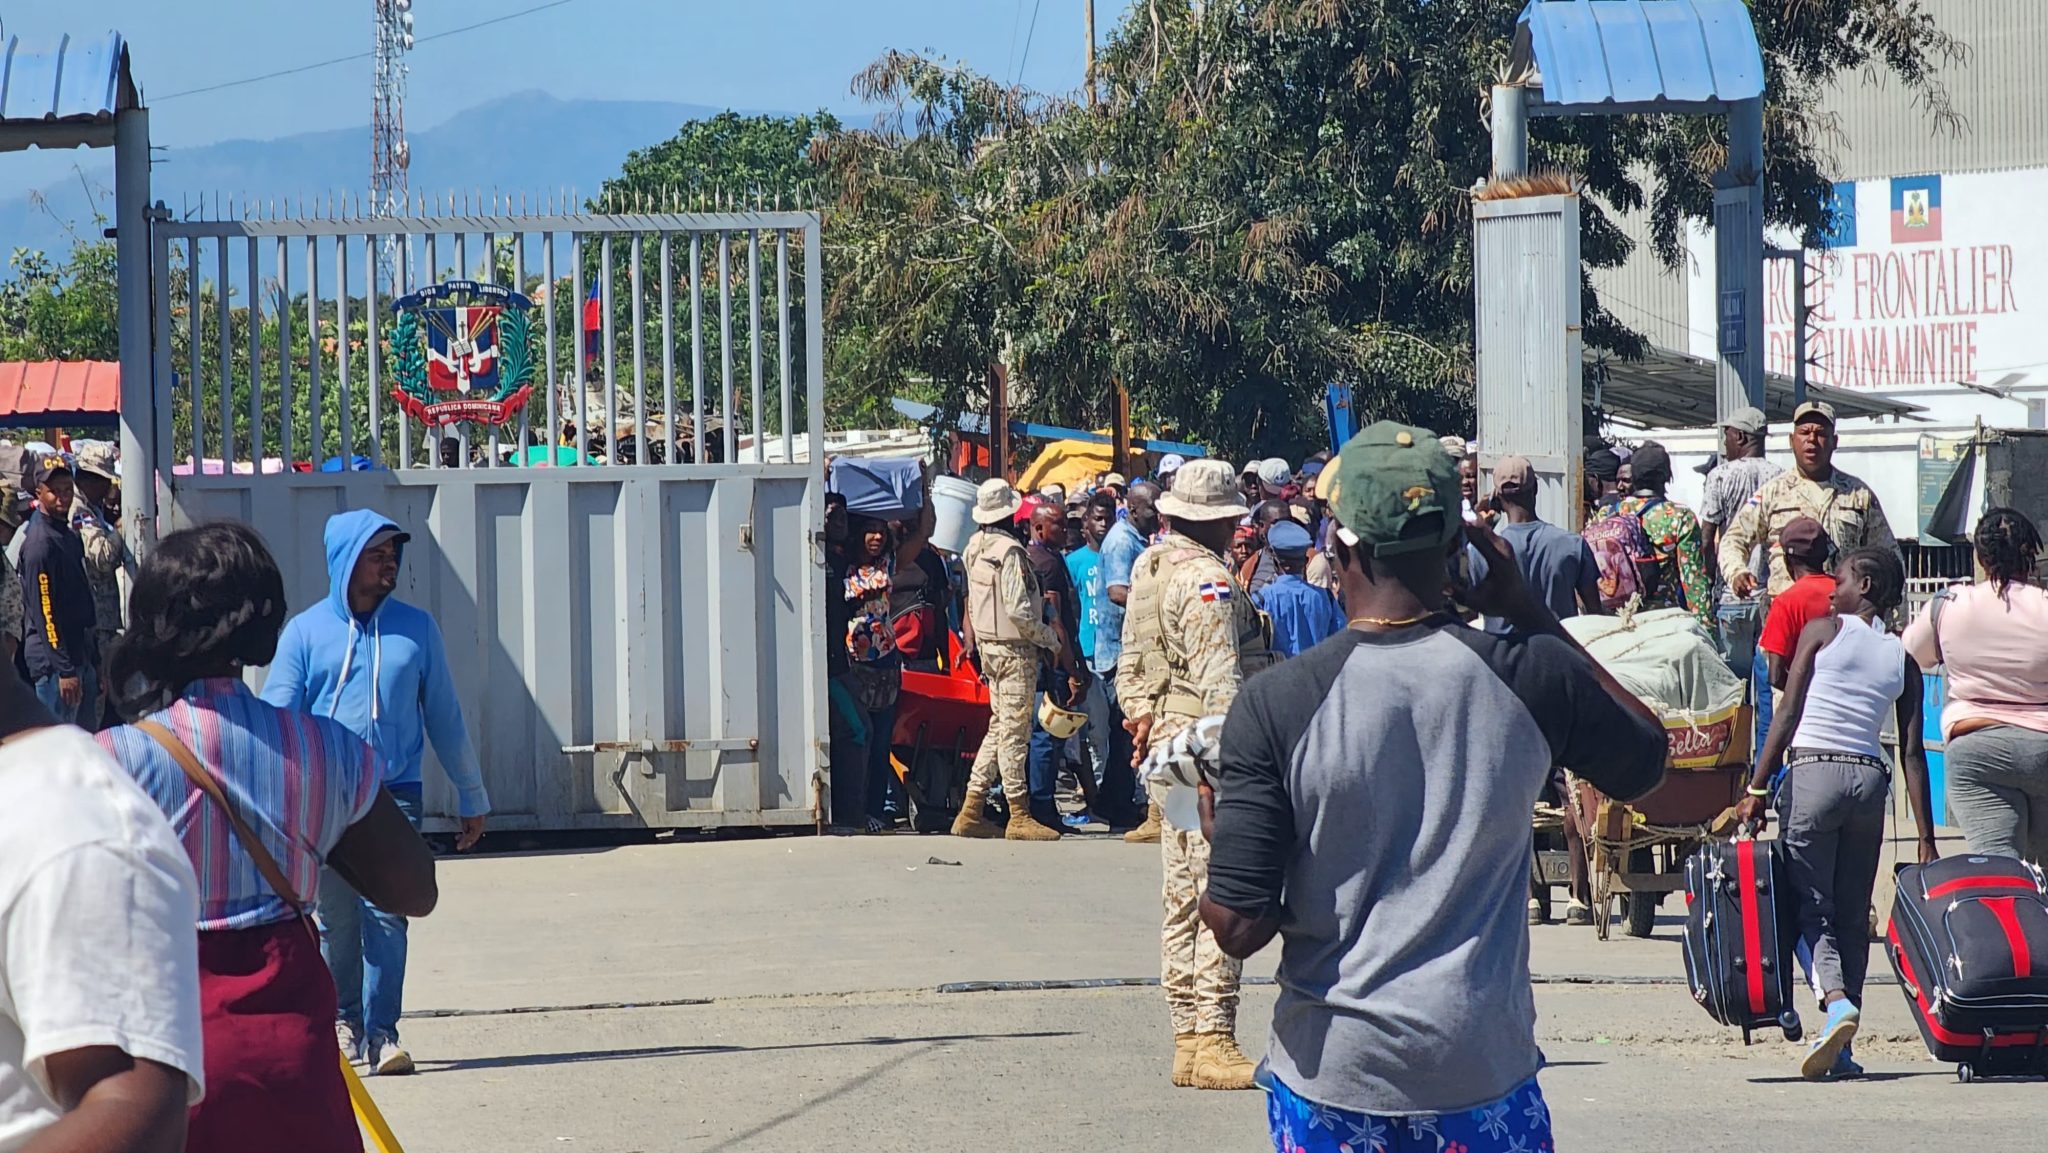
x=1386 y=483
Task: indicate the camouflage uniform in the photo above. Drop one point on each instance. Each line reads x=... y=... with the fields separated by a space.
x=106 y=557
x=1007 y=613
x=1844 y=506
x=1191 y=636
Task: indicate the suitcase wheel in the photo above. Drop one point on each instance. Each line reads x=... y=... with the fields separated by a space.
x=1965 y=1074
x=1790 y=1023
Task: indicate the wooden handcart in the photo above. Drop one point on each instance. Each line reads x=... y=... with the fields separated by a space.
x=1636 y=851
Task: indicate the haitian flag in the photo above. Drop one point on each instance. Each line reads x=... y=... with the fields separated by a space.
x=1916 y=209
x=462 y=348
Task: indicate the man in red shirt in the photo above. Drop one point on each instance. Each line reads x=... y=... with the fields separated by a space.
x=1807 y=551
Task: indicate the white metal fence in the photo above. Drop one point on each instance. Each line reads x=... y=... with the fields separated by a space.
x=637 y=644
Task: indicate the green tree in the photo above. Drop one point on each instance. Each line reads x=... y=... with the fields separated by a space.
x=1273 y=195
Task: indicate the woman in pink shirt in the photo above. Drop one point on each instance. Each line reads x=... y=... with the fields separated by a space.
x=1992 y=637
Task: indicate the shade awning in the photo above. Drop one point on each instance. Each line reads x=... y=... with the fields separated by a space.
x=1637 y=55
x=1669 y=389
x=50 y=393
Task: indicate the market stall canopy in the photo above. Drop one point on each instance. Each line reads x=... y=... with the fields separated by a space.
x=1619 y=56
x=62 y=93
x=1669 y=389
x=56 y=393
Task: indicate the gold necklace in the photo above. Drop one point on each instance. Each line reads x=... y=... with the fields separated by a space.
x=1388 y=622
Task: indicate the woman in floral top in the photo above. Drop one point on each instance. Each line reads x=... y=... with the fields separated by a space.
x=1674 y=532
x=874 y=671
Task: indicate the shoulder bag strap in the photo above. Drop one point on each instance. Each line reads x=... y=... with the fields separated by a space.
x=205 y=782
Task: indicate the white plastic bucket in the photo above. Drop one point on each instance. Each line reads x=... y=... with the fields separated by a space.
x=953 y=512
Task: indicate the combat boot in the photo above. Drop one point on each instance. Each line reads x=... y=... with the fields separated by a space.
x=1147 y=833
x=1220 y=1064
x=1025 y=827
x=1184 y=1047
x=973 y=820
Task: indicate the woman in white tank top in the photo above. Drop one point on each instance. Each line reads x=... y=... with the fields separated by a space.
x=1846 y=674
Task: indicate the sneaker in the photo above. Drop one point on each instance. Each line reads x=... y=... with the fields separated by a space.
x=1536 y=916
x=391 y=1060
x=351 y=1041
x=1845 y=1066
x=1835 y=1035
x=1577 y=914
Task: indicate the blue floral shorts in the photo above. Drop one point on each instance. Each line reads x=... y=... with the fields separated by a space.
x=1517 y=1123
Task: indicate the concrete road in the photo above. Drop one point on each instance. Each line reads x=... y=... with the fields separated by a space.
x=794 y=993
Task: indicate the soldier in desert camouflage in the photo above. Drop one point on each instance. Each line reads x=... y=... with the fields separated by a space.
x=1191 y=636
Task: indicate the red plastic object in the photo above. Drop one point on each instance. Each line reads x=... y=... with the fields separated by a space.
x=950 y=707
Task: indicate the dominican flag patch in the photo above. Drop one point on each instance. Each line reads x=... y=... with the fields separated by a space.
x=1215 y=590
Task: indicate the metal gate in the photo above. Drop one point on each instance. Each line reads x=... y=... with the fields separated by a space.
x=636 y=631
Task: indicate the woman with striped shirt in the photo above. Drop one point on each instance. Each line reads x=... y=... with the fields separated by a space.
x=207 y=604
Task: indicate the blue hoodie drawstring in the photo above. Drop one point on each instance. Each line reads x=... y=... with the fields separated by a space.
x=376 y=665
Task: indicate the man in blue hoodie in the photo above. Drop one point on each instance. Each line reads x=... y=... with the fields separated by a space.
x=377 y=665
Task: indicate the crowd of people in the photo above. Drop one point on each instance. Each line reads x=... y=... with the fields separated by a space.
x=1364 y=652
x=894 y=599
x=199 y=902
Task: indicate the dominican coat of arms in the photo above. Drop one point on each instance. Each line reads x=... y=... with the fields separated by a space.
x=463 y=350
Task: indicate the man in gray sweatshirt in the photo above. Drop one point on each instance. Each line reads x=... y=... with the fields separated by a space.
x=1358 y=813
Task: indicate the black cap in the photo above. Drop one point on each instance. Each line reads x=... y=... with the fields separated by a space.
x=1603 y=464
x=42 y=468
x=1650 y=465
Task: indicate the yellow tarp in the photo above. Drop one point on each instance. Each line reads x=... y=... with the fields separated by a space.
x=1071 y=464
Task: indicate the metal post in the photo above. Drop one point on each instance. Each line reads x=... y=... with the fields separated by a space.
x=139 y=385
x=782 y=337
x=224 y=324
x=610 y=369
x=754 y=338
x=1510 y=131
x=1799 y=330
x=195 y=348
x=255 y=361
x=725 y=382
x=697 y=347
x=341 y=381
x=1738 y=264
x=372 y=356
x=401 y=284
x=639 y=309
x=814 y=351
x=316 y=449
x=552 y=431
x=668 y=354
x=581 y=359
x=284 y=353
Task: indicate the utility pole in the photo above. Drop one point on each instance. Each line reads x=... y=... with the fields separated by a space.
x=1088 y=18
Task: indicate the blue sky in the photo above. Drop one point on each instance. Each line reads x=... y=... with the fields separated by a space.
x=789 y=55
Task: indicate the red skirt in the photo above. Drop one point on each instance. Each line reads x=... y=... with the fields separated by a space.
x=273 y=1068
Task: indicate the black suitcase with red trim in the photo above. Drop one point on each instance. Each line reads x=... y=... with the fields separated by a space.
x=1969 y=942
x=1738 y=934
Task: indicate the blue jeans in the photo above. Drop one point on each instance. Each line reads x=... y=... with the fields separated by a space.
x=365 y=946
x=1045 y=758
x=1760 y=692
x=88 y=705
x=1740 y=622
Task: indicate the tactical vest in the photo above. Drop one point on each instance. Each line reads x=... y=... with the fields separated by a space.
x=1162 y=663
x=983 y=561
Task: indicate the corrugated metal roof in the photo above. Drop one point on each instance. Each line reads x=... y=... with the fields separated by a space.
x=48 y=392
x=70 y=78
x=1594 y=52
x=1673 y=390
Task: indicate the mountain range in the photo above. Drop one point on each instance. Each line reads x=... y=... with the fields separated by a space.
x=530 y=143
